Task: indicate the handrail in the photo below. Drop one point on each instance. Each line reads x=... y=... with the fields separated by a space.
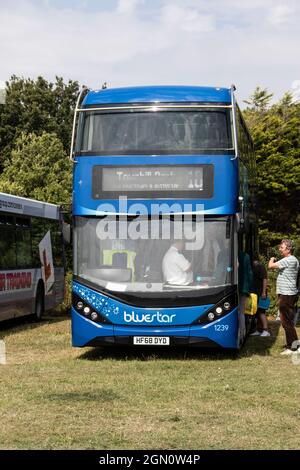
x=83 y=90
x=153 y=107
x=232 y=89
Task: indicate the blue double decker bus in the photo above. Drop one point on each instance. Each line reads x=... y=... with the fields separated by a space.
x=164 y=179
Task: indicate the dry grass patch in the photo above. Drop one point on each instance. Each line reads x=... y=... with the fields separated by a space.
x=56 y=397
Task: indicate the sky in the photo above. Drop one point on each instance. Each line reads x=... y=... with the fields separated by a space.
x=151 y=42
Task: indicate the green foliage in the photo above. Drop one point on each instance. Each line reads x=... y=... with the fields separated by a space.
x=36 y=107
x=259 y=100
x=275 y=130
x=39 y=168
x=35 y=133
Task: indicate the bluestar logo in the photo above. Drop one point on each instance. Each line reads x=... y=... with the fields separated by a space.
x=148 y=317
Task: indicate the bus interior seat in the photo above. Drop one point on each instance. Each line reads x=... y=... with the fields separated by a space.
x=119 y=260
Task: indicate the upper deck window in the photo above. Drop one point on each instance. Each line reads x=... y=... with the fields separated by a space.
x=201 y=131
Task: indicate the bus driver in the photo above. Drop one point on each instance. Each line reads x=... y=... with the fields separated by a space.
x=177 y=270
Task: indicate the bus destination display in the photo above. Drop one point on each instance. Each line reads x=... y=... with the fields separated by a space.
x=196 y=180
x=152 y=179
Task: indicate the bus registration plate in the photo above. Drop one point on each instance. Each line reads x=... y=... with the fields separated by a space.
x=151 y=340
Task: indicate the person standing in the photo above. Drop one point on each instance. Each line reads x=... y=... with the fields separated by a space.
x=260 y=285
x=287 y=291
x=245 y=280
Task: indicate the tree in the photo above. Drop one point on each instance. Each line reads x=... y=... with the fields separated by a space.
x=39 y=168
x=260 y=99
x=35 y=107
x=276 y=135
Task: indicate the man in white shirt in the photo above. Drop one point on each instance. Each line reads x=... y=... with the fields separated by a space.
x=177 y=270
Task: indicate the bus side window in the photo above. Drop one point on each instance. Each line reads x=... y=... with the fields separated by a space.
x=7 y=248
x=37 y=234
x=24 y=254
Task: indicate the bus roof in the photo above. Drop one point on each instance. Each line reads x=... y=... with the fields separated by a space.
x=23 y=206
x=158 y=94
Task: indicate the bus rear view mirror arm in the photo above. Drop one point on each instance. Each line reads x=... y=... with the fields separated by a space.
x=240 y=215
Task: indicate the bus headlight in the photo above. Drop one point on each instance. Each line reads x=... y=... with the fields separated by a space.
x=219 y=310
x=94 y=316
x=83 y=308
x=86 y=311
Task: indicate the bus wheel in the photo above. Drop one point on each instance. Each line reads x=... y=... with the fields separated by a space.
x=39 y=304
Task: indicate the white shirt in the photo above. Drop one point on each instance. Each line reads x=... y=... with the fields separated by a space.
x=175 y=268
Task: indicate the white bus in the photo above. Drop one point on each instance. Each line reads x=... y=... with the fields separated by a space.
x=32 y=267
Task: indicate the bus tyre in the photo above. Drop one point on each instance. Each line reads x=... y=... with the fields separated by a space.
x=39 y=305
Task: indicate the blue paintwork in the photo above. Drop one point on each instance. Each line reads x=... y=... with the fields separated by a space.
x=162 y=94
x=84 y=330
x=133 y=330
x=226 y=338
x=223 y=202
x=216 y=331
x=120 y=313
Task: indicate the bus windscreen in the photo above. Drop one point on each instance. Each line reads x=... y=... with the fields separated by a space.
x=190 y=132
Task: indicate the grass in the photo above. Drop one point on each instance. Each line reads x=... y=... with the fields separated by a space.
x=56 y=397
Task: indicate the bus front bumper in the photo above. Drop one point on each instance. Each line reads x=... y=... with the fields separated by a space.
x=222 y=333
